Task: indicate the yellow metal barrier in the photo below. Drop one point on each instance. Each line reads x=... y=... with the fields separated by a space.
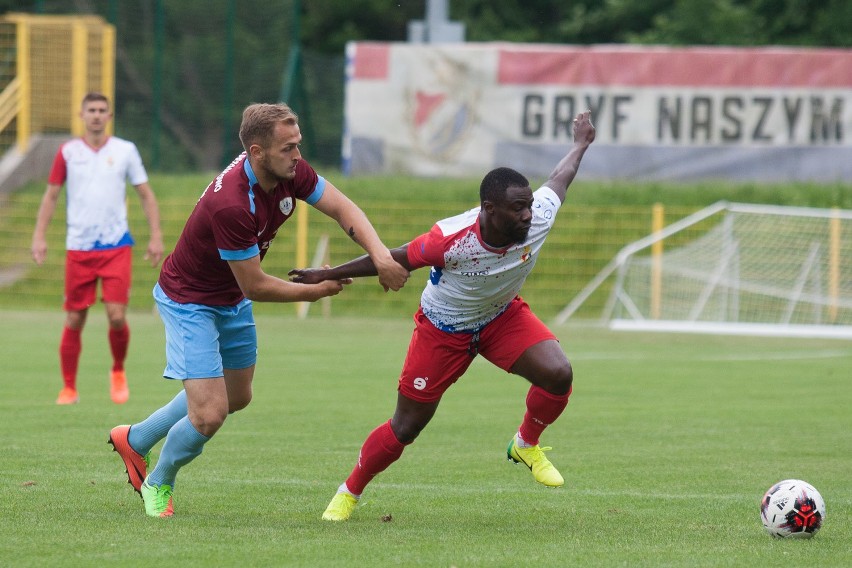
x=24 y=121
x=834 y=265
x=9 y=102
x=58 y=59
x=658 y=216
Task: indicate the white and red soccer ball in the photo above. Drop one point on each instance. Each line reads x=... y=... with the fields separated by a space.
x=792 y=509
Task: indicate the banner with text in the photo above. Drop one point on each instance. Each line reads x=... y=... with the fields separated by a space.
x=764 y=114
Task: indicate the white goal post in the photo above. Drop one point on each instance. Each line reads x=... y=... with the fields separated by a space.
x=735 y=268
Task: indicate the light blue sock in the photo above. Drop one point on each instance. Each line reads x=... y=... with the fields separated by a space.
x=183 y=444
x=143 y=436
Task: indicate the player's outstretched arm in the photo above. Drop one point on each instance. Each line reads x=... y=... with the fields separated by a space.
x=259 y=286
x=350 y=217
x=355 y=268
x=564 y=172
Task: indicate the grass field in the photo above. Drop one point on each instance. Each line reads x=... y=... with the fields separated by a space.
x=667 y=447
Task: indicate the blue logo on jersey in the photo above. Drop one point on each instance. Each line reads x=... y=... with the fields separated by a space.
x=435 y=275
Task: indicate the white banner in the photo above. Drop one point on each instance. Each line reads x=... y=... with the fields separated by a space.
x=661 y=113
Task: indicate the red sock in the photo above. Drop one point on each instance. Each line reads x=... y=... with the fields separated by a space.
x=69 y=355
x=380 y=449
x=118 y=341
x=543 y=408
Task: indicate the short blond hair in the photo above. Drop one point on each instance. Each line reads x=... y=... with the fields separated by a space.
x=259 y=120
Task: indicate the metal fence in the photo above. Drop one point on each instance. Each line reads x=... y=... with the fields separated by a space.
x=583 y=241
x=47 y=65
x=179 y=96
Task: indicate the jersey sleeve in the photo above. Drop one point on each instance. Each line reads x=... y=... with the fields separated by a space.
x=136 y=173
x=546 y=204
x=427 y=249
x=233 y=232
x=307 y=185
x=59 y=170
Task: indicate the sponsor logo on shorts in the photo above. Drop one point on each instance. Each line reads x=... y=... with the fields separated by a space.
x=420 y=383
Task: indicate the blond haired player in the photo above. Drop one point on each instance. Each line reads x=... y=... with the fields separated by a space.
x=207 y=286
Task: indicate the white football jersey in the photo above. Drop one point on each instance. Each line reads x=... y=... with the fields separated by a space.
x=471 y=283
x=95 y=182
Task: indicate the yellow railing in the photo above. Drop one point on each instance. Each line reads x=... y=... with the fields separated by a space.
x=57 y=60
x=9 y=102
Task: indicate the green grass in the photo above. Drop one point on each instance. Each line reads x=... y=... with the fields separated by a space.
x=667 y=447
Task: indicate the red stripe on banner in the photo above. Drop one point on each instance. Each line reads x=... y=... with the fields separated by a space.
x=687 y=67
x=372 y=61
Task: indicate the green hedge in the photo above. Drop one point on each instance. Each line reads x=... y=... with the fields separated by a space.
x=596 y=222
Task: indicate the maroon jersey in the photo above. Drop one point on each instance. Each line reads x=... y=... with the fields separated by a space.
x=234 y=219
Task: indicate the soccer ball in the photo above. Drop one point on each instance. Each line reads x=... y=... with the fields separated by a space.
x=792 y=509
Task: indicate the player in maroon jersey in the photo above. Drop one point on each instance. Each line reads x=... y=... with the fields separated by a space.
x=207 y=286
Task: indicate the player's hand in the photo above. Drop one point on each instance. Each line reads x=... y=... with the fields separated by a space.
x=332 y=287
x=308 y=275
x=392 y=275
x=39 y=250
x=154 y=253
x=584 y=130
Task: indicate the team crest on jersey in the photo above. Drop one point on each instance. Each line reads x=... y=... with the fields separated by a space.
x=286 y=205
x=525 y=254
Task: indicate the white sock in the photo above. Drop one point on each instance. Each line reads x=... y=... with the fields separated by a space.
x=522 y=443
x=344 y=489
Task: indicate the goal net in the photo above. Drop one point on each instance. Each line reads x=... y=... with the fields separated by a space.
x=735 y=268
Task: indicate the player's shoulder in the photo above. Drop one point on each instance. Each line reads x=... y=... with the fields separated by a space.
x=455 y=224
x=72 y=144
x=303 y=167
x=226 y=206
x=233 y=176
x=546 y=204
x=306 y=178
x=74 y=150
x=547 y=196
x=228 y=189
x=121 y=143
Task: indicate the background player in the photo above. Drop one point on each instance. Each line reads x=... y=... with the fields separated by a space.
x=95 y=170
x=470 y=306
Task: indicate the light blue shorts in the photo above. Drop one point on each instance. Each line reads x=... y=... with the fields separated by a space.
x=202 y=340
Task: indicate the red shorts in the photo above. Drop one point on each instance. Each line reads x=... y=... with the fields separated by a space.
x=84 y=268
x=436 y=359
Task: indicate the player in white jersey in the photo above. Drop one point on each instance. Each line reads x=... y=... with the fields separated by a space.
x=95 y=170
x=479 y=261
